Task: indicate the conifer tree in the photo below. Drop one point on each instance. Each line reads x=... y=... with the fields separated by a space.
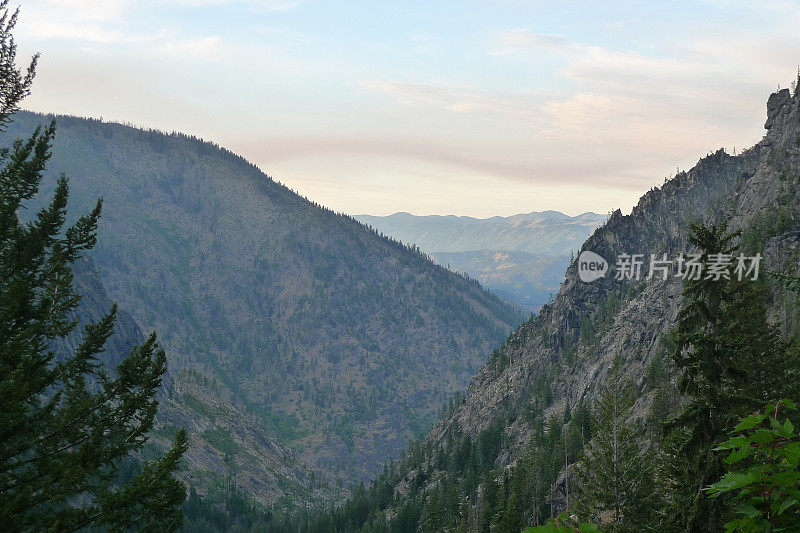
x=66 y=425
x=708 y=376
x=731 y=360
x=615 y=477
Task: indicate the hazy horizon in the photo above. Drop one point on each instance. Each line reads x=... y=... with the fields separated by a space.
x=477 y=218
x=484 y=108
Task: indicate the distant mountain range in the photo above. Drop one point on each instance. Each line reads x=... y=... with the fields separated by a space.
x=521 y=258
x=301 y=344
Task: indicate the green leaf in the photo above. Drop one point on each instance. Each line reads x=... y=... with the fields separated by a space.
x=734 y=480
x=762 y=436
x=792 y=453
x=785 y=478
x=750 y=422
x=734 y=442
x=738 y=454
x=732 y=526
x=749 y=511
x=786 y=503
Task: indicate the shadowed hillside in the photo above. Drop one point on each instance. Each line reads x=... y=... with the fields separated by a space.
x=279 y=316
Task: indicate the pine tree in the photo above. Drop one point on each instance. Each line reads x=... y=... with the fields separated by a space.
x=615 y=478
x=433 y=515
x=708 y=373
x=731 y=360
x=66 y=425
x=771 y=364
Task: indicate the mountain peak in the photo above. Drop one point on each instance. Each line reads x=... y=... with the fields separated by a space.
x=782 y=117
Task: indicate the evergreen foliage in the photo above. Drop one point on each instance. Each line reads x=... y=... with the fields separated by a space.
x=334 y=337
x=66 y=425
x=615 y=478
x=605 y=467
x=730 y=360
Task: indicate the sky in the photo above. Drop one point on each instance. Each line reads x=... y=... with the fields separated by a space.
x=470 y=107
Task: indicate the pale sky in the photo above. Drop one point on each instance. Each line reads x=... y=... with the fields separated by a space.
x=471 y=107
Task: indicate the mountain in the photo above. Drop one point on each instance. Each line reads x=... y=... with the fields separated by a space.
x=276 y=469
x=559 y=361
x=285 y=324
x=93 y=305
x=545 y=233
x=522 y=258
x=524 y=279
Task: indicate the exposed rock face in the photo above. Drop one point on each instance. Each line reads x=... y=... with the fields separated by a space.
x=779 y=109
x=94 y=304
x=658 y=224
x=757 y=192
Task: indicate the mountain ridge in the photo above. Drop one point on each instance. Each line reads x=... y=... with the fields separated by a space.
x=546 y=212
x=340 y=343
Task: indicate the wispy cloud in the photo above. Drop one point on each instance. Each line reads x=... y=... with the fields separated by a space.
x=270 y=5
x=91 y=32
x=513 y=41
x=543 y=170
x=610 y=97
x=85 y=9
x=87 y=21
x=455 y=100
x=202 y=47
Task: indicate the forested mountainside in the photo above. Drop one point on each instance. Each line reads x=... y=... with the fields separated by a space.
x=521 y=258
x=273 y=466
x=524 y=279
x=497 y=459
x=280 y=318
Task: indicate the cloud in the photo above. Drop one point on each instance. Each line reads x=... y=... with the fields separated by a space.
x=454 y=100
x=92 y=10
x=671 y=88
x=93 y=21
x=683 y=68
x=202 y=47
x=611 y=99
x=380 y=177
x=625 y=119
x=89 y=32
x=506 y=42
x=117 y=21
x=543 y=169
x=582 y=111
x=269 y=5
